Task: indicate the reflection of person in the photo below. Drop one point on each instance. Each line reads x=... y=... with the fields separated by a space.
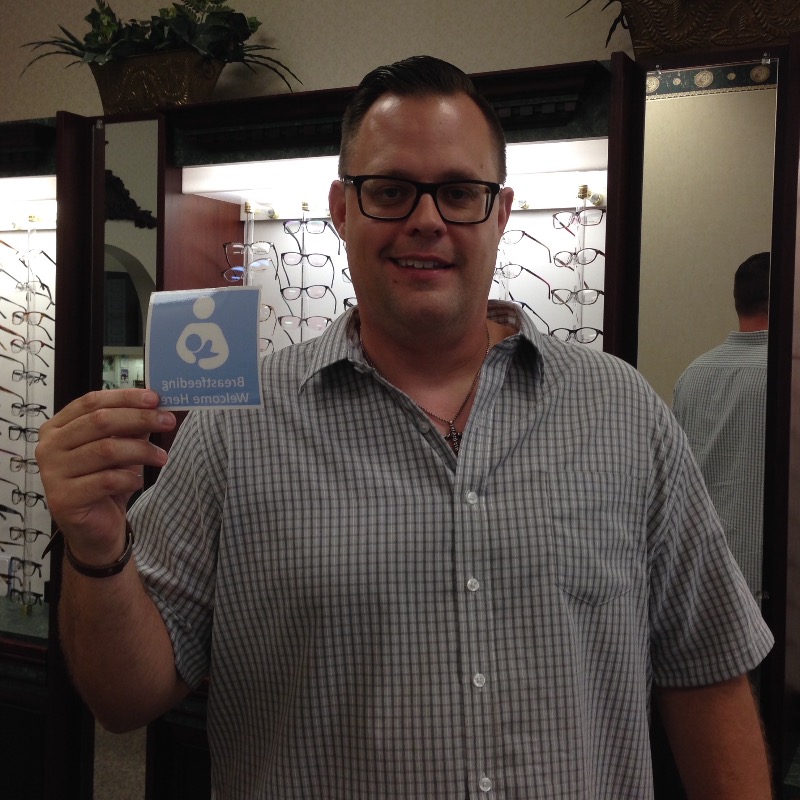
x=720 y=401
x=448 y=557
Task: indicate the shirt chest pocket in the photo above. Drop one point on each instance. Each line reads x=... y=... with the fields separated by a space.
x=597 y=534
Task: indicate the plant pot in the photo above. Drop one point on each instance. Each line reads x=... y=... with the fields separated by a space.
x=156 y=80
x=679 y=26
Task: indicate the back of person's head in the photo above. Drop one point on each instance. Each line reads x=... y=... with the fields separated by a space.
x=751 y=286
x=418 y=76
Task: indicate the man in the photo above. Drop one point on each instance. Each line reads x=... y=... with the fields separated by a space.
x=449 y=555
x=721 y=401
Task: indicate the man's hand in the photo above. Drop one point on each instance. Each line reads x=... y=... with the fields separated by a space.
x=90 y=457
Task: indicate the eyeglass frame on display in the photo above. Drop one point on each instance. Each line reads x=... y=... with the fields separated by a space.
x=522 y=235
x=255 y=264
x=29 y=409
x=574 y=257
x=18 y=317
x=23 y=464
x=574 y=296
x=301 y=320
x=573 y=334
x=30 y=375
x=305 y=289
x=26 y=597
x=307 y=257
x=29 y=535
x=304 y=223
x=28 y=567
x=575 y=216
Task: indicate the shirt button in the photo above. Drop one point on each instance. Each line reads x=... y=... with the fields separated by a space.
x=473 y=585
x=472 y=498
x=484 y=784
x=479 y=679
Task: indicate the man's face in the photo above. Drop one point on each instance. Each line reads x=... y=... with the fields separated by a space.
x=418 y=274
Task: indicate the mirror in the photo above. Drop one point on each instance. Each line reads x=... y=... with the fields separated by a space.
x=709 y=153
x=706 y=206
x=130 y=247
x=707 y=195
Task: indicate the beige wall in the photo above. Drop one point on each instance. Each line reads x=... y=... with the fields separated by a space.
x=707 y=205
x=327 y=44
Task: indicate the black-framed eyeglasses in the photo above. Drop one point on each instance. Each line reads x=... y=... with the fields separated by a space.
x=583 y=257
x=312 y=259
x=346 y=275
x=27 y=534
x=584 y=297
x=18 y=432
x=349 y=302
x=29 y=409
x=265 y=345
x=25 y=598
x=516 y=236
x=384 y=197
x=25 y=566
x=29 y=465
x=315 y=292
x=29 y=375
x=582 y=335
x=29 y=498
x=318 y=260
x=585 y=217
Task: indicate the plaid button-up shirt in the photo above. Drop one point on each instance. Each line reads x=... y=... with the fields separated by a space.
x=382 y=619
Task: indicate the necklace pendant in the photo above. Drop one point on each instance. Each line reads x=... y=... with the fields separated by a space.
x=454 y=437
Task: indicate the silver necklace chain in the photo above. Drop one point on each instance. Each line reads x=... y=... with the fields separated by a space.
x=453 y=436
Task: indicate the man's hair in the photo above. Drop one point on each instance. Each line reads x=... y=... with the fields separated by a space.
x=418 y=76
x=751 y=286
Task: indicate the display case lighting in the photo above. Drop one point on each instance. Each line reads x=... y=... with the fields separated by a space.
x=543 y=173
x=28 y=203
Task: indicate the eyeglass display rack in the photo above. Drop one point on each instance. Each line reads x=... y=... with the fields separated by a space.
x=549 y=262
x=27 y=348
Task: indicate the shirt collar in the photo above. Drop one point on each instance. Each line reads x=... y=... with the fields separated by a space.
x=341 y=341
x=748 y=337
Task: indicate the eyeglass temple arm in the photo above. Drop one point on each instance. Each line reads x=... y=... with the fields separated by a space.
x=549 y=254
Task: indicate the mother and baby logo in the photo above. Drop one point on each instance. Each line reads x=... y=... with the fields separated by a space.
x=202 y=348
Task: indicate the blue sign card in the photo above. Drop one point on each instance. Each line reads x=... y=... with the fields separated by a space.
x=202 y=348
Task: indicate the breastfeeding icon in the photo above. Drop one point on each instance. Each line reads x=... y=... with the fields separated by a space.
x=203 y=343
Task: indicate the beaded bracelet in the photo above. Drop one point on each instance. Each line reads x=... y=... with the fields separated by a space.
x=97 y=572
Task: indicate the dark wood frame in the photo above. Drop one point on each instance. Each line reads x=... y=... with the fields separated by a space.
x=780 y=673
